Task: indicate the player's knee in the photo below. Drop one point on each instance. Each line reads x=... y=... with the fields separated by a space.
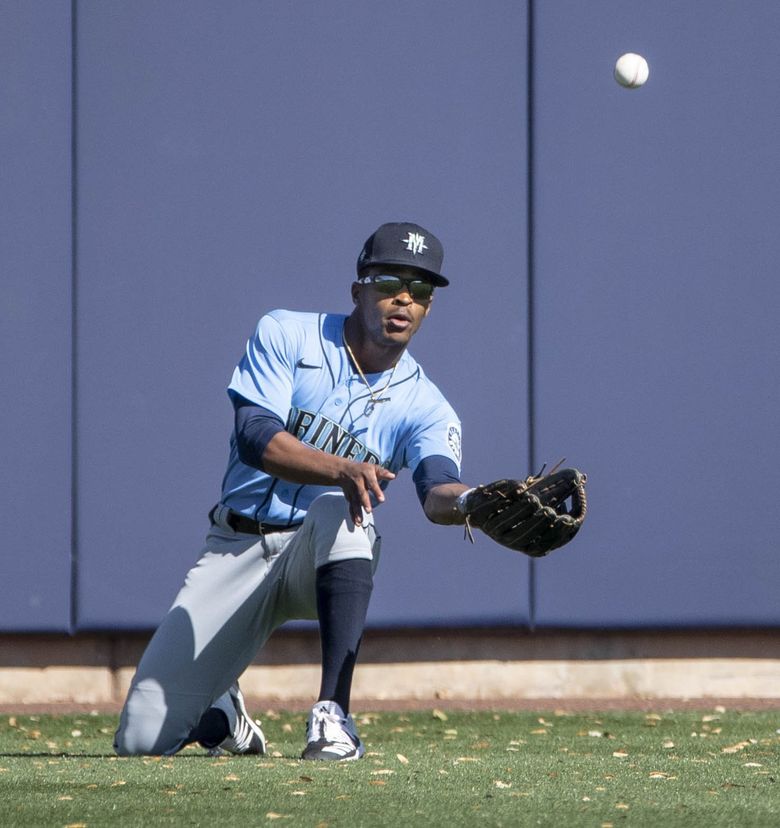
x=134 y=738
x=331 y=507
x=334 y=534
x=146 y=737
x=330 y=514
x=146 y=727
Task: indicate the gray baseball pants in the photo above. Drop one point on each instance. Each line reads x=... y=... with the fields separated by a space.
x=242 y=588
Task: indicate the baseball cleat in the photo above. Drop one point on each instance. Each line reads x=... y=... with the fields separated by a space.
x=331 y=735
x=246 y=737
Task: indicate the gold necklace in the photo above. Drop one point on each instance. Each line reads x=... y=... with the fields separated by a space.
x=375 y=397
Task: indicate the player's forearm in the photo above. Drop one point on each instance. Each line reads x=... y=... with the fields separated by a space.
x=440 y=504
x=289 y=459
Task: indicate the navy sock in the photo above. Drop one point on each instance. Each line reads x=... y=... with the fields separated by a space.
x=343 y=592
x=212 y=729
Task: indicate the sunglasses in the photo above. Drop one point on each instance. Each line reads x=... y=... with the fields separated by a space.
x=418 y=289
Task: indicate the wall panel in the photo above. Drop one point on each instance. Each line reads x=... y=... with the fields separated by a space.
x=656 y=251
x=35 y=315
x=233 y=158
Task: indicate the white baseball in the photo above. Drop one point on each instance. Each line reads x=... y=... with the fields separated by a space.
x=631 y=70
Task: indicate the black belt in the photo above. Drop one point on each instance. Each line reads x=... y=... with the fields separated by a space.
x=241 y=523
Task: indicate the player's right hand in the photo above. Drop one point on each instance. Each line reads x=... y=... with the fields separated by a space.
x=359 y=481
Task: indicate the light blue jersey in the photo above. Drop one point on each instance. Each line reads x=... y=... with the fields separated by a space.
x=297 y=367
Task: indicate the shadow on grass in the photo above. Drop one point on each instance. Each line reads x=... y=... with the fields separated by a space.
x=182 y=756
x=111 y=755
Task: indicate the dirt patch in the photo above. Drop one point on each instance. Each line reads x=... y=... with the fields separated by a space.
x=400 y=705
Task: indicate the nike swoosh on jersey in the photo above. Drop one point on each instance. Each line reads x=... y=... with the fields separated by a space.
x=302 y=364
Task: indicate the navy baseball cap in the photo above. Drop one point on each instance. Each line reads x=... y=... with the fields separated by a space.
x=404 y=243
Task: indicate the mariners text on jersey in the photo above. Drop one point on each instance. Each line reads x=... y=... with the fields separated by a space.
x=321 y=433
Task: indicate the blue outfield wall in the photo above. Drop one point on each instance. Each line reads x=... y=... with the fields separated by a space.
x=230 y=158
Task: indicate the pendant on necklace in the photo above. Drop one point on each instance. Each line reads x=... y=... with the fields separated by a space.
x=372 y=403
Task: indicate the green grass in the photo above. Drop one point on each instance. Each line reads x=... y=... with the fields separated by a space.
x=429 y=769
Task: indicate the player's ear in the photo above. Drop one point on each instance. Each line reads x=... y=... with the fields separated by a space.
x=355 y=292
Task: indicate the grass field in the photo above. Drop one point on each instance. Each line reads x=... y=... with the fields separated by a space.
x=431 y=768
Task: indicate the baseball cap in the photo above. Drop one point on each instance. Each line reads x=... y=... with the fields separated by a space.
x=404 y=243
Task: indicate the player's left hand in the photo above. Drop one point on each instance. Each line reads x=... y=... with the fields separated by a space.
x=531 y=515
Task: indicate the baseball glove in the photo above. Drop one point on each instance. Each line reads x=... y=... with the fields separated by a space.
x=533 y=516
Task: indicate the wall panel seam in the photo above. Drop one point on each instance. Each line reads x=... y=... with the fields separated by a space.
x=530 y=272
x=73 y=621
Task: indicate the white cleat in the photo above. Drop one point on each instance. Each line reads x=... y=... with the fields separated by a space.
x=331 y=735
x=246 y=737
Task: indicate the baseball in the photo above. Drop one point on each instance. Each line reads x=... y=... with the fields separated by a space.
x=631 y=70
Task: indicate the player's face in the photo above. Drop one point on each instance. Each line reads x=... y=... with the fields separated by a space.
x=391 y=312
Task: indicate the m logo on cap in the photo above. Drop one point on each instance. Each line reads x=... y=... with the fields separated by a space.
x=415 y=242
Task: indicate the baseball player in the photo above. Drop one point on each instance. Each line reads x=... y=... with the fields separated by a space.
x=328 y=409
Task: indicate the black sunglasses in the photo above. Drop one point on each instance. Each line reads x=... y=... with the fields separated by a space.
x=418 y=289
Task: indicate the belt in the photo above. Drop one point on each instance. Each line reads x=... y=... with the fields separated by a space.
x=241 y=523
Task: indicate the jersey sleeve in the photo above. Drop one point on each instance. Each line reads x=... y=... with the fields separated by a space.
x=433 y=471
x=264 y=375
x=438 y=434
